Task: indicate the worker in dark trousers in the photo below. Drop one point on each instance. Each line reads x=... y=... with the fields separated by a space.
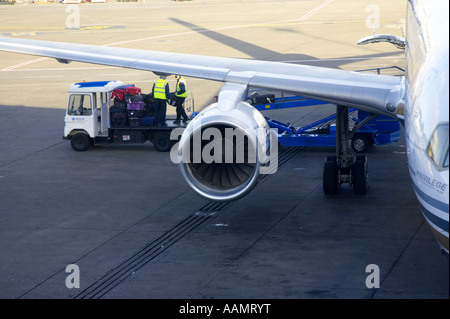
x=160 y=95
x=180 y=96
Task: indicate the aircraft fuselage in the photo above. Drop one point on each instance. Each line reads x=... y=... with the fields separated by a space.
x=427 y=113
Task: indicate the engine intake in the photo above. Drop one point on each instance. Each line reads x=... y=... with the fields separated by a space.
x=221 y=152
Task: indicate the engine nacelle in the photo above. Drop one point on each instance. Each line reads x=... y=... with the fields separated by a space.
x=222 y=152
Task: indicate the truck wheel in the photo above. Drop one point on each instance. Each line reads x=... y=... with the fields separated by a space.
x=360 y=143
x=80 y=142
x=162 y=142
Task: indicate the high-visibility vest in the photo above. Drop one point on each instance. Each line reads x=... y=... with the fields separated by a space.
x=159 y=92
x=184 y=94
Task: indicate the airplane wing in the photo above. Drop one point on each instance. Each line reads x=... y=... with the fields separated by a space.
x=236 y=177
x=373 y=93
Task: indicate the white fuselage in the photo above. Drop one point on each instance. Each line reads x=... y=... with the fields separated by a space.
x=426 y=111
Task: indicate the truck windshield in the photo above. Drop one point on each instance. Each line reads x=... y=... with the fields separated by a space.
x=79 y=104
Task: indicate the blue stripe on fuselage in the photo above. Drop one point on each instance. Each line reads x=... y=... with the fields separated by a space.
x=427 y=198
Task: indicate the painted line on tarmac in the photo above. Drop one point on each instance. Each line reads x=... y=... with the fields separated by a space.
x=303 y=18
x=24 y=63
x=310 y=13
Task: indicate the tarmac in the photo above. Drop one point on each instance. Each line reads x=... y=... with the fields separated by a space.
x=126 y=219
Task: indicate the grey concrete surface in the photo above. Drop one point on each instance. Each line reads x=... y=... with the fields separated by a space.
x=125 y=216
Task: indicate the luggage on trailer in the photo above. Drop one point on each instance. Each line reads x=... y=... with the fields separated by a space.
x=133 y=98
x=149 y=110
x=148 y=120
x=122 y=92
x=118 y=117
x=137 y=113
x=132 y=94
x=132 y=90
x=134 y=121
x=122 y=105
x=171 y=100
x=135 y=106
x=149 y=105
x=118 y=94
x=148 y=98
x=128 y=107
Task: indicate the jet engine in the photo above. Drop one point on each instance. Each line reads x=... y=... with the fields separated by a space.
x=224 y=149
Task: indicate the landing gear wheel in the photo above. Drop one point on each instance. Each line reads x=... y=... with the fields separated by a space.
x=80 y=142
x=362 y=158
x=360 y=177
x=360 y=143
x=332 y=158
x=330 y=183
x=162 y=142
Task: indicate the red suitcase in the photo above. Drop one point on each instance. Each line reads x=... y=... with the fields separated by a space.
x=131 y=90
x=118 y=94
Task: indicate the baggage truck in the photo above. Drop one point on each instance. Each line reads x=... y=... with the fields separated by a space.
x=109 y=112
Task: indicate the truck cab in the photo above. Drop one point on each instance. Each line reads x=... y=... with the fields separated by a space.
x=87 y=118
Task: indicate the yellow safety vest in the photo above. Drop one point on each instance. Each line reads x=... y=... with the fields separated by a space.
x=159 y=92
x=178 y=88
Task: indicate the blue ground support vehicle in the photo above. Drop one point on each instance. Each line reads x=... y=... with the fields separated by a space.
x=368 y=129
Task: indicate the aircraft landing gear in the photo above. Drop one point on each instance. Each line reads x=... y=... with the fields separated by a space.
x=330 y=176
x=344 y=167
x=360 y=175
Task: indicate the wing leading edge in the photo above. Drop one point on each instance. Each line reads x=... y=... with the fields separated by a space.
x=374 y=93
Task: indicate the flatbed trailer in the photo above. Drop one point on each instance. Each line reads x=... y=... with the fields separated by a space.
x=159 y=136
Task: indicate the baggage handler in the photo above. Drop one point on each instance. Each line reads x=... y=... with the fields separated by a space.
x=160 y=95
x=180 y=96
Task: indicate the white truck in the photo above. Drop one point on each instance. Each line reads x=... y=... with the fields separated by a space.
x=89 y=119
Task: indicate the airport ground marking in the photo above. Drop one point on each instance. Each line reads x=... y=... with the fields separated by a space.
x=303 y=18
